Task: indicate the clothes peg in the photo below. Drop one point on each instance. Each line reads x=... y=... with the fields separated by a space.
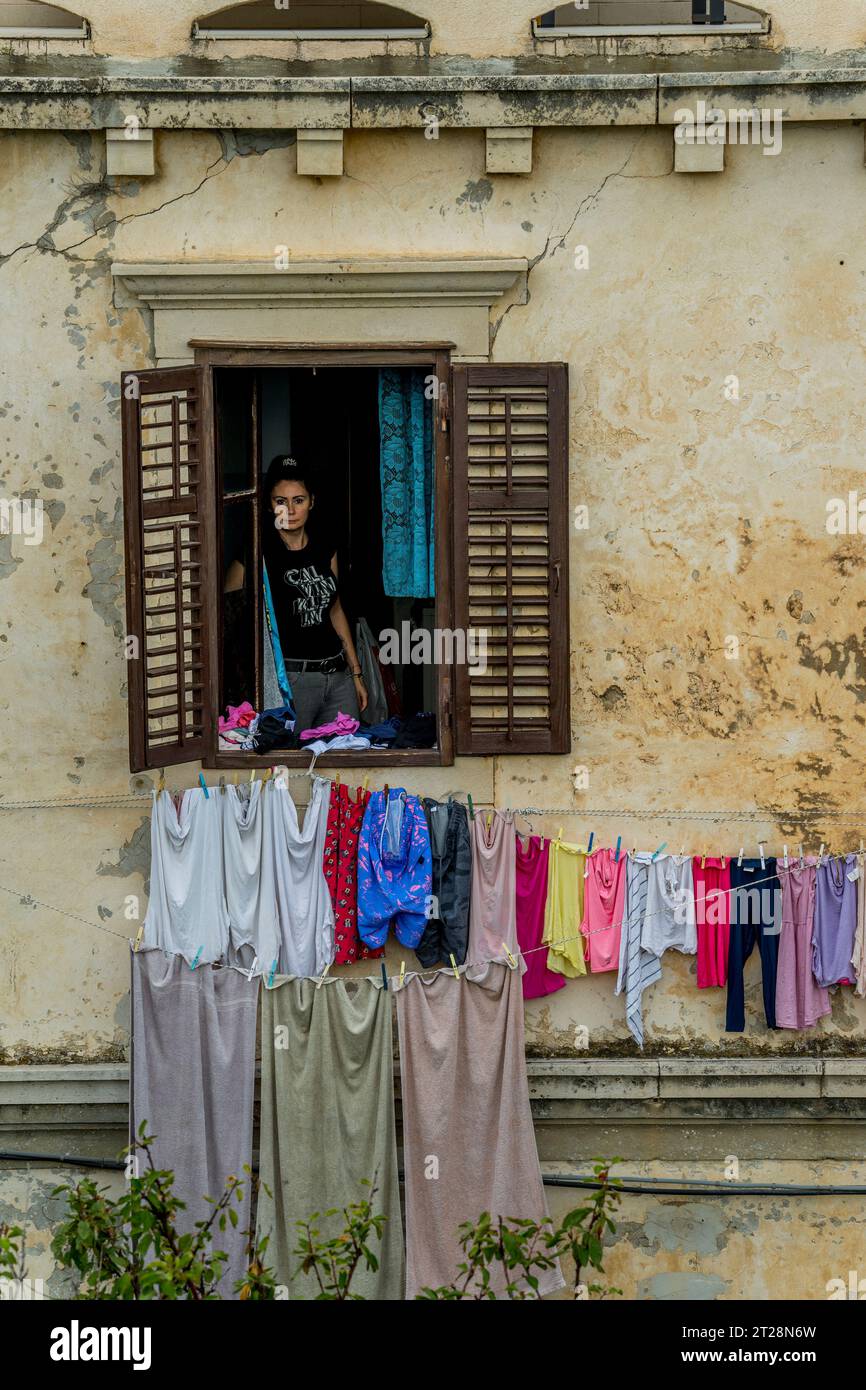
x=384 y=976
x=618 y=843
x=161 y=785
x=682 y=851
x=471 y=807
x=559 y=835
x=785 y=855
x=512 y=962
x=204 y=786
x=801 y=857
x=321 y=980
x=489 y=820
x=761 y=850
x=267 y=775
x=740 y=858
x=235 y=778
x=402 y=973
x=589 y=842
x=138 y=936
x=272 y=973
x=633 y=851
x=252 y=775
x=366 y=780
x=252 y=967
x=861 y=846
x=454 y=966
x=222 y=786
x=336 y=784
x=821 y=852
x=704 y=860
x=195 y=958
x=657 y=852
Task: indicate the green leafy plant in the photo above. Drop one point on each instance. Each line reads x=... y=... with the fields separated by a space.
x=524 y=1250
x=11 y=1251
x=130 y=1247
x=333 y=1262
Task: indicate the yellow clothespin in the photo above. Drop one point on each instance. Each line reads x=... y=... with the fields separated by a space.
x=235 y=778
x=321 y=980
x=402 y=973
x=511 y=959
x=559 y=835
x=454 y=967
x=861 y=846
x=139 y=934
x=252 y=775
x=337 y=780
x=489 y=819
x=161 y=786
x=704 y=860
x=267 y=775
x=366 y=780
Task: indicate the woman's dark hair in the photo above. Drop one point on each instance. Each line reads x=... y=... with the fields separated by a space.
x=285 y=469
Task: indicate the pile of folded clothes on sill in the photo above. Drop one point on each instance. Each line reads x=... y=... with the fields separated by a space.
x=243 y=729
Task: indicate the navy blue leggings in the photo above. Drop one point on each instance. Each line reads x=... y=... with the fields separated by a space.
x=756 y=915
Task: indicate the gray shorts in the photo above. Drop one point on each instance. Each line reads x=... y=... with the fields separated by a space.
x=318 y=698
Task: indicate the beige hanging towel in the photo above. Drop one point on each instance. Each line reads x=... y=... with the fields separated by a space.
x=468 y=1141
x=327 y=1122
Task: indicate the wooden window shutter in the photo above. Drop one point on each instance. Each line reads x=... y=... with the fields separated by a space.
x=171 y=594
x=511 y=532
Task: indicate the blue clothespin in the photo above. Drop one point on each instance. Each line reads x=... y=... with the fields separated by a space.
x=204 y=785
x=591 y=838
x=618 y=843
x=195 y=958
x=272 y=974
x=657 y=852
x=384 y=976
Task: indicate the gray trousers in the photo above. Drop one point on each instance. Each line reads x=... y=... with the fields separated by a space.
x=318 y=699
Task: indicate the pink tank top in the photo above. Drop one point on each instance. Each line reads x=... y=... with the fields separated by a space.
x=603 y=902
x=492 y=900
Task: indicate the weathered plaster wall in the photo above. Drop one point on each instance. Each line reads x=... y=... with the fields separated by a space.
x=707 y=516
x=162 y=28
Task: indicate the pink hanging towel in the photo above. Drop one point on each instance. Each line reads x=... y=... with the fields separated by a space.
x=603 y=905
x=492 y=904
x=800 y=1001
x=531 y=888
x=713 y=913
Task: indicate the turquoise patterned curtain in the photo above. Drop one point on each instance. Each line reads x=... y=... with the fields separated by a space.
x=406 y=475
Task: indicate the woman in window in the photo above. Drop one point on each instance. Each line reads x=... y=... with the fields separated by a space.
x=320 y=658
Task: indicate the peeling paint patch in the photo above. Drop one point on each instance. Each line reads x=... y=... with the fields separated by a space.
x=696 y=1226
x=105 y=563
x=133 y=856
x=684 y=1288
x=8 y=562
x=476 y=195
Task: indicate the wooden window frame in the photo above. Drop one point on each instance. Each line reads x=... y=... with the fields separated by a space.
x=437 y=355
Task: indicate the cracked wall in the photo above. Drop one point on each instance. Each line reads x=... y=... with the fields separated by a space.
x=706 y=514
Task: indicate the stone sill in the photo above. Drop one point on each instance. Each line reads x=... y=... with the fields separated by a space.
x=36 y=1090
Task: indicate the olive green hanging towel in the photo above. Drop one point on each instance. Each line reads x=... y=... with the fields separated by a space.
x=327 y=1122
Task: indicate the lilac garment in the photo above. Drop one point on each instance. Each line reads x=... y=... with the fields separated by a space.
x=835 y=921
x=395 y=869
x=800 y=1002
x=343 y=724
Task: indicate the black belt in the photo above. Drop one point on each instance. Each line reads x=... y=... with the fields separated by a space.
x=326 y=666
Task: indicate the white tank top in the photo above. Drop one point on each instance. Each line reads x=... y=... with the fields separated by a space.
x=251 y=896
x=304 y=940
x=187 y=913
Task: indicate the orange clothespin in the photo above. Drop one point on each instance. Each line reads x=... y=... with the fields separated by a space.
x=704 y=860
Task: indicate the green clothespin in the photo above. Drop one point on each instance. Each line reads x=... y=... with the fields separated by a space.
x=471 y=807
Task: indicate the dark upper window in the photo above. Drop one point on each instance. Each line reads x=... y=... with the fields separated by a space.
x=30 y=19
x=315 y=19
x=651 y=16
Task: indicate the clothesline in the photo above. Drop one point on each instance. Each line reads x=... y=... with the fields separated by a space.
x=443 y=969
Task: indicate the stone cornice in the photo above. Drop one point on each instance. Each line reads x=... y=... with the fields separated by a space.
x=332 y=283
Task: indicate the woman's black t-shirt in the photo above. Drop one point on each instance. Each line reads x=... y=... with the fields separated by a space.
x=304 y=590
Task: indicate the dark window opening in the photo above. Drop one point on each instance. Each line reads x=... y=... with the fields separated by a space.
x=328 y=419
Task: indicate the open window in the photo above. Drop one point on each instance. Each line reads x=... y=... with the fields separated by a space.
x=626 y=18
x=477 y=640
x=31 y=19
x=312 y=19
